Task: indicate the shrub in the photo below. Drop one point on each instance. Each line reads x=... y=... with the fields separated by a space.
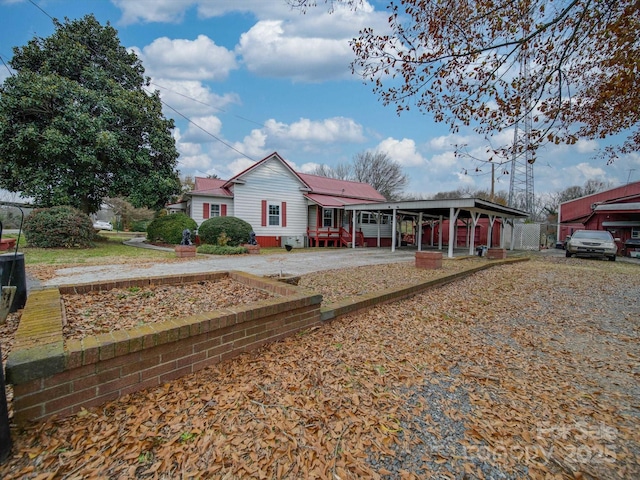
x=56 y=227
x=140 y=225
x=168 y=228
x=235 y=230
x=221 y=250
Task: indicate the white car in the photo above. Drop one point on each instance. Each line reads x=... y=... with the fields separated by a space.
x=102 y=225
x=592 y=243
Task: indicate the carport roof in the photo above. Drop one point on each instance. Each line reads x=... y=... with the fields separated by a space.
x=435 y=208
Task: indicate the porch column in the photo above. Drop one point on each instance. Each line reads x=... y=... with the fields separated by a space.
x=353 y=231
x=440 y=233
x=513 y=233
x=492 y=219
x=433 y=224
x=472 y=244
x=453 y=220
x=420 y=232
x=393 y=232
x=378 y=218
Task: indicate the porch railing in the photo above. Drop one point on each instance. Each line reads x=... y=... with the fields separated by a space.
x=333 y=236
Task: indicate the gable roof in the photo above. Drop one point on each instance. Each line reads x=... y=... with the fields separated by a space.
x=274 y=155
x=211 y=186
x=328 y=192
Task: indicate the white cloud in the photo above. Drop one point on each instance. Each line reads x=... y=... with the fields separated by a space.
x=330 y=130
x=308 y=167
x=238 y=165
x=402 y=151
x=587 y=146
x=199 y=59
x=192 y=98
x=443 y=161
x=267 y=51
x=167 y=11
x=587 y=171
x=253 y=145
x=201 y=129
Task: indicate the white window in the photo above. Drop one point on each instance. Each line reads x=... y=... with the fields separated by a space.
x=367 y=218
x=274 y=214
x=215 y=211
x=372 y=218
x=327 y=217
x=635 y=232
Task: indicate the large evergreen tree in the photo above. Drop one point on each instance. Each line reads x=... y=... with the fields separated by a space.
x=77 y=123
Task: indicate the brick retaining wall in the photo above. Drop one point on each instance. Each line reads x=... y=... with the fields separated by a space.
x=51 y=376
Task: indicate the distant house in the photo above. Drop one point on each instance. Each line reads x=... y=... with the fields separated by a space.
x=286 y=207
x=616 y=210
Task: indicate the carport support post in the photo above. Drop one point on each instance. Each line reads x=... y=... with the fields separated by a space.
x=513 y=231
x=393 y=232
x=475 y=216
x=453 y=219
x=432 y=224
x=420 y=232
x=440 y=233
x=492 y=219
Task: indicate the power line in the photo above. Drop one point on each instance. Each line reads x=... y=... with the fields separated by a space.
x=204 y=130
x=39 y=8
x=6 y=66
x=208 y=105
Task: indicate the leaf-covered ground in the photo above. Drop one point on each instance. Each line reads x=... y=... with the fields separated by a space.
x=528 y=370
x=120 y=308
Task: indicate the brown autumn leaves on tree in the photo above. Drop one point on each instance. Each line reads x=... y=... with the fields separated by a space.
x=461 y=61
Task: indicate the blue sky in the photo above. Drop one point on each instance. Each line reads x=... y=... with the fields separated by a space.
x=260 y=77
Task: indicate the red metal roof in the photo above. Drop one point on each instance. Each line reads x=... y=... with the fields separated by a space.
x=340 y=188
x=210 y=186
x=333 y=201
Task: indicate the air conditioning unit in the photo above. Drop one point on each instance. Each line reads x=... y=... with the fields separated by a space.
x=295 y=241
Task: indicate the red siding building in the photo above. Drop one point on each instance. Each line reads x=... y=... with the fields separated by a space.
x=616 y=210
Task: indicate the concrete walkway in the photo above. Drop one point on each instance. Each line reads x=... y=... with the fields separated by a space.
x=293 y=263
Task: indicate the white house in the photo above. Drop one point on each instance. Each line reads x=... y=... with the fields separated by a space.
x=285 y=207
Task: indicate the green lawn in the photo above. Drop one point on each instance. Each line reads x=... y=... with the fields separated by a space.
x=108 y=249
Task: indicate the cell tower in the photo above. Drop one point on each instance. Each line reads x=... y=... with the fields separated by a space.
x=522 y=159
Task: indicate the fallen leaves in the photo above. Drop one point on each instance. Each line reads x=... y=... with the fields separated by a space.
x=121 y=308
x=461 y=380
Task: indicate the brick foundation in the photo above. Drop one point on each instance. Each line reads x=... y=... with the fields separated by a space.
x=252 y=249
x=429 y=260
x=185 y=251
x=496 y=253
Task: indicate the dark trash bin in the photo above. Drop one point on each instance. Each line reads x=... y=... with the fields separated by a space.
x=16 y=278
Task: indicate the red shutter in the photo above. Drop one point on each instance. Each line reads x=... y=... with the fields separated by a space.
x=264 y=213
x=284 y=214
x=223 y=210
x=205 y=210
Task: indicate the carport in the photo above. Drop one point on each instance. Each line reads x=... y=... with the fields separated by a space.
x=468 y=210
